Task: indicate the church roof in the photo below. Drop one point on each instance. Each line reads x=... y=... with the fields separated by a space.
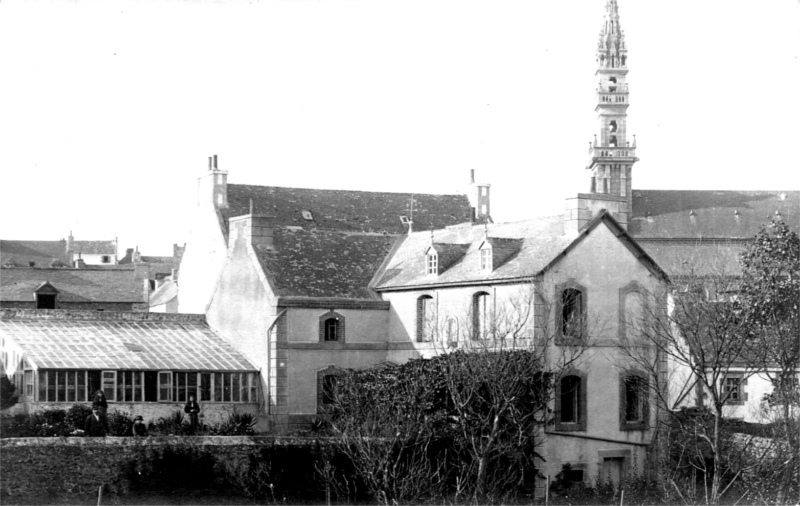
x=330 y=243
x=74 y=285
x=346 y=210
x=58 y=339
x=695 y=214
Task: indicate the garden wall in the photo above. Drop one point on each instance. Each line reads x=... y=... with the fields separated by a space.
x=51 y=469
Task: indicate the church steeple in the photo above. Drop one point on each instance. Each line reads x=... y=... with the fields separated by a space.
x=612 y=153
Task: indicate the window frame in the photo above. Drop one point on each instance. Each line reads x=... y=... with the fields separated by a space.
x=431 y=262
x=561 y=337
x=425 y=305
x=331 y=370
x=741 y=393
x=340 y=327
x=486 y=264
x=625 y=379
x=580 y=424
x=481 y=316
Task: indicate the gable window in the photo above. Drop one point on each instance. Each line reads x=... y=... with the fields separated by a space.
x=486 y=259
x=480 y=315
x=633 y=403
x=45 y=301
x=571 y=402
x=425 y=319
x=733 y=389
x=432 y=262
x=572 y=309
x=331 y=327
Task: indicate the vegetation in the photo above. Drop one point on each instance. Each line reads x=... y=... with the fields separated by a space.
x=8 y=396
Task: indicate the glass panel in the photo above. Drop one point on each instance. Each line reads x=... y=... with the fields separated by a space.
x=81 y=386
x=237 y=387
x=137 y=386
x=165 y=386
x=128 y=385
x=253 y=387
x=51 y=387
x=181 y=386
x=71 y=386
x=205 y=386
x=245 y=387
x=218 y=386
x=191 y=385
x=62 y=386
x=42 y=386
x=109 y=379
x=226 y=387
x=120 y=386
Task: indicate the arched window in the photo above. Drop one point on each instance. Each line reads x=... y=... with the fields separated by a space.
x=633 y=316
x=612 y=84
x=634 y=408
x=431 y=262
x=451 y=331
x=425 y=319
x=327 y=383
x=480 y=315
x=572 y=311
x=571 y=402
x=612 y=126
x=613 y=141
x=331 y=327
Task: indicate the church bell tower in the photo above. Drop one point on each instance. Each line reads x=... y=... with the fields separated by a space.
x=612 y=153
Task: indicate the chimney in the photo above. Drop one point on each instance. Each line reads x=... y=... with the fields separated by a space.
x=137 y=257
x=254 y=229
x=213 y=187
x=70 y=240
x=79 y=263
x=479 y=199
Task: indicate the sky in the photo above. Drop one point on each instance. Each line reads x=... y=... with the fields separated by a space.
x=109 y=110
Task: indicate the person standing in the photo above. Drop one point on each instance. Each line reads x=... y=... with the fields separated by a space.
x=192 y=408
x=94 y=425
x=100 y=403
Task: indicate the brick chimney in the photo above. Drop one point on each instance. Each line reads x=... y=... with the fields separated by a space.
x=256 y=230
x=213 y=187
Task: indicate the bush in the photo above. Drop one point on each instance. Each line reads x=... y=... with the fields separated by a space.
x=237 y=424
x=7 y=396
x=172 y=425
x=119 y=423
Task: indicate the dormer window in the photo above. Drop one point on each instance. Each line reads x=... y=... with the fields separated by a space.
x=486 y=259
x=46 y=296
x=431 y=262
x=307 y=215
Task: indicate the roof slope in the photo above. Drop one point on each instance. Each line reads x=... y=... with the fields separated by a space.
x=346 y=210
x=74 y=285
x=43 y=253
x=670 y=214
x=323 y=263
x=121 y=341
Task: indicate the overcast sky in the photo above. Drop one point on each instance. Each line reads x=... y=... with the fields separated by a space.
x=109 y=109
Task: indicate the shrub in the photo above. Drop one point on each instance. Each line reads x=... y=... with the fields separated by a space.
x=237 y=424
x=119 y=423
x=7 y=396
x=172 y=425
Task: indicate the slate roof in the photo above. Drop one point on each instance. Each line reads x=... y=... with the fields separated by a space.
x=121 y=341
x=539 y=243
x=164 y=293
x=696 y=257
x=323 y=263
x=74 y=285
x=44 y=252
x=41 y=252
x=346 y=210
x=669 y=214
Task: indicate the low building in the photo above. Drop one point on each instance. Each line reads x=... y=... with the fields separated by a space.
x=64 y=253
x=146 y=363
x=94 y=289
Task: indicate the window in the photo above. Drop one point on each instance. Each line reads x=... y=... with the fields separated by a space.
x=486 y=259
x=331 y=327
x=483 y=191
x=612 y=126
x=634 y=409
x=572 y=313
x=432 y=263
x=425 y=319
x=29 y=384
x=733 y=390
x=307 y=215
x=633 y=313
x=109 y=385
x=106 y=259
x=571 y=402
x=45 y=301
x=613 y=141
x=327 y=381
x=480 y=315
x=451 y=331
x=165 y=386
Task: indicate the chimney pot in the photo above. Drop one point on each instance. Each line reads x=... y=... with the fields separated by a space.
x=471 y=175
x=210 y=164
x=215 y=163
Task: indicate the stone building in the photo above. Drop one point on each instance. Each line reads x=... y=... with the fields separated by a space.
x=64 y=253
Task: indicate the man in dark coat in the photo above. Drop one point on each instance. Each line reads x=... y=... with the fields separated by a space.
x=100 y=403
x=139 y=428
x=192 y=408
x=95 y=426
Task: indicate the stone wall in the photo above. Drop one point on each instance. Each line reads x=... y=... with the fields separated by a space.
x=55 y=469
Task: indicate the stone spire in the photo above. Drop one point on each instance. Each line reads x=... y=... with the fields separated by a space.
x=611 y=50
